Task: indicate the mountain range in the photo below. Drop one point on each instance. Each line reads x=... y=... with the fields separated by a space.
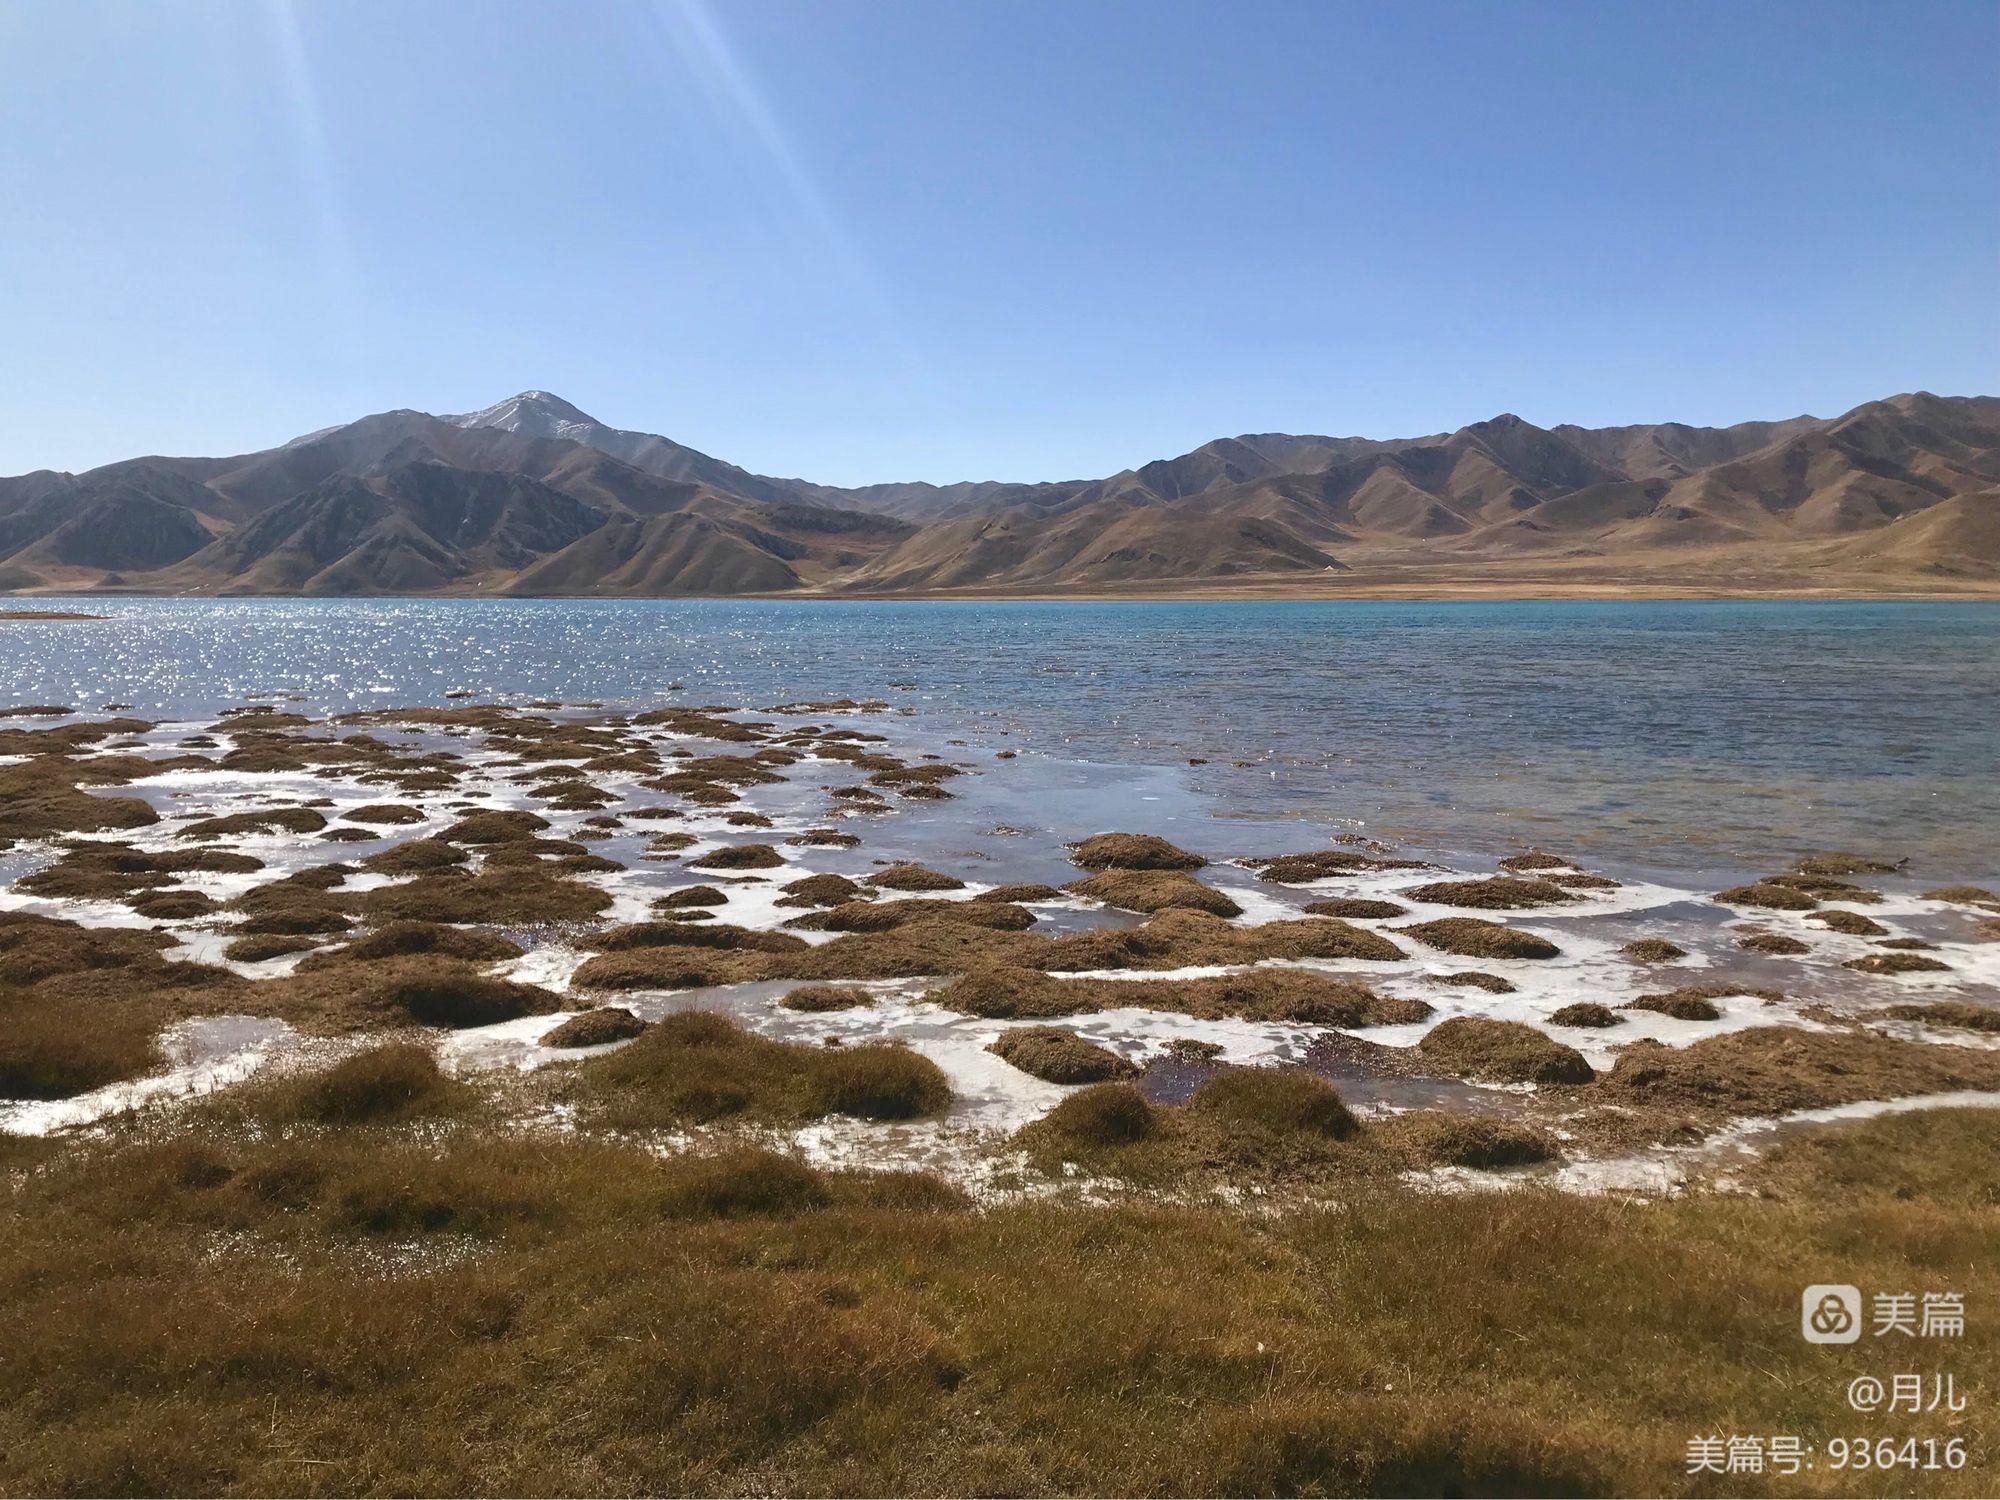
x=531 y=496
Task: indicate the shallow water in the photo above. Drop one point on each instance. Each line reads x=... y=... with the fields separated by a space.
x=1005 y=821
x=1684 y=737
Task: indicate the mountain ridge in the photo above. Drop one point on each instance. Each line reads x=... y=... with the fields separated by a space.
x=531 y=495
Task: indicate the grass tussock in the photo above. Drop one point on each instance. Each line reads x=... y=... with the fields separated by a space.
x=1962 y=1014
x=49 y=1050
x=453 y=997
x=1682 y=1006
x=815 y=999
x=1851 y=923
x=1964 y=895
x=914 y=877
x=1354 y=907
x=1132 y=851
x=261 y=947
x=888 y=916
x=879 y=1082
x=502 y=896
x=1493 y=984
x=1653 y=951
x=1299 y=995
x=690 y=896
x=739 y=857
x=1276 y=1100
x=1447 y=1138
x=395 y=1081
x=1106 y=1115
x=696 y=1067
x=677 y=967
x=409 y=939
x=34 y=948
x=494 y=827
x=820 y=890
x=682 y=934
x=1470 y=937
x=595 y=1028
x=1776 y=944
x=1490 y=1051
x=1771 y=1070
x=1495 y=893
x=1897 y=963
x=1768 y=896
x=1586 y=1013
x=739 y=1183
x=1058 y=1056
x=1155 y=891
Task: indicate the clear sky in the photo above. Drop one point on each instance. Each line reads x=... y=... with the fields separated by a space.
x=933 y=239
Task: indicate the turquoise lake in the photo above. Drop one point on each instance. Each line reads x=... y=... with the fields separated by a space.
x=1668 y=735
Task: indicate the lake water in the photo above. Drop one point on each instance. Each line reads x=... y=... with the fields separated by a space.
x=1670 y=736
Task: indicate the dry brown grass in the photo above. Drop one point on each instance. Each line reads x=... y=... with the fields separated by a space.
x=1446 y=1138
x=1132 y=851
x=1500 y=1052
x=734 y=1184
x=886 y=916
x=820 y=890
x=1682 y=1007
x=912 y=877
x=689 y=895
x=1322 y=864
x=1852 y=923
x=391 y=1082
x=1588 y=1013
x=595 y=1028
x=1105 y=1115
x=1354 y=906
x=1767 y=895
x=1476 y=979
x=1774 y=943
x=1155 y=891
x=1470 y=937
x=695 y=1067
x=738 y=857
x=1277 y=1100
x=1772 y=1070
x=496 y=896
x=50 y=1050
x=1495 y=893
x=731 y=1322
x=1964 y=895
x=494 y=827
x=1897 y=963
x=259 y=947
x=408 y=939
x=263 y=820
x=1960 y=1013
x=1653 y=951
x=1272 y=994
x=817 y=998
x=1059 y=1056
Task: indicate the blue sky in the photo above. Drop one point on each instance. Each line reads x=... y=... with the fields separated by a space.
x=945 y=240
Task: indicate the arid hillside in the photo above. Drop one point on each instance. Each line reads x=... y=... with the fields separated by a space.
x=533 y=497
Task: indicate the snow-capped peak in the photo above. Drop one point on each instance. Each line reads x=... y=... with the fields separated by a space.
x=537 y=413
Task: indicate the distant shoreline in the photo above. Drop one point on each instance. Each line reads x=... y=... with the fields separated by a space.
x=1206 y=592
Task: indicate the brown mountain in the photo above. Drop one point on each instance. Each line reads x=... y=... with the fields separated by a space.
x=532 y=496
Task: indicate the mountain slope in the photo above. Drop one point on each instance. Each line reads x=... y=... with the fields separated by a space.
x=532 y=495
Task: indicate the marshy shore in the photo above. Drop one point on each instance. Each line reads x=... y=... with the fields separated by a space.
x=729 y=1076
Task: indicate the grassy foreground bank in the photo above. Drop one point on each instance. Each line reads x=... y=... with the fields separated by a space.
x=328 y=1307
